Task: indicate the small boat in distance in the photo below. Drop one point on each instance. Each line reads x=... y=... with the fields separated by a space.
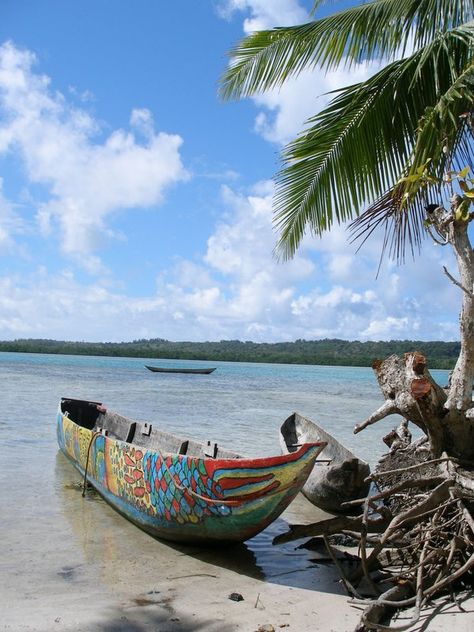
x=174 y=488
x=158 y=369
x=331 y=483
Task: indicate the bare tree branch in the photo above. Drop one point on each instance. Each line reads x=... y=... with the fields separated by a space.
x=453 y=280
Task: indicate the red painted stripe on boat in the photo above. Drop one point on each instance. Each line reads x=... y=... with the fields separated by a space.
x=235 y=482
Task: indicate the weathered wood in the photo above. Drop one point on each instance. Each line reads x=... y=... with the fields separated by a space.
x=425 y=548
x=460 y=391
x=330 y=484
x=329 y=527
x=379 y=609
x=399 y=437
x=411 y=392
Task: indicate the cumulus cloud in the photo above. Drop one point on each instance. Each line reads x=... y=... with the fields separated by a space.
x=264 y=14
x=245 y=288
x=86 y=179
x=284 y=111
x=236 y=289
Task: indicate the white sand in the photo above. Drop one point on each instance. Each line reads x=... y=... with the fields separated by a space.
x=97 y=572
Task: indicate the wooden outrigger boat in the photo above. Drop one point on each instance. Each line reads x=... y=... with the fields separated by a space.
x=330 y=483
x=158 y=369
x=177 y=489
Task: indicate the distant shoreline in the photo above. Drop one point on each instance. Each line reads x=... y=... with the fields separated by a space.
x=326 y=352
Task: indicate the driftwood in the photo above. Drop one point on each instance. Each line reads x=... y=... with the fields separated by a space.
x=415 y=534
x=410 y=391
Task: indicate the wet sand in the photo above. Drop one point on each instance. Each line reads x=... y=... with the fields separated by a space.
x=97 y=572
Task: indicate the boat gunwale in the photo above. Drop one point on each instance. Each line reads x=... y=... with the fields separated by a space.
x=333 y=441
x=184 y=370
x=243 y=461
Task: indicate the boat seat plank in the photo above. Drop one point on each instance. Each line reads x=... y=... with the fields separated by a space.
x=149 y=437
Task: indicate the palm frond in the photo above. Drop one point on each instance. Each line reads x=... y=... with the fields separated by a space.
x=362 y=143
x=446 y=141
x=442 y=126
x=404 y=224
x=403 y=227
x=372 y=30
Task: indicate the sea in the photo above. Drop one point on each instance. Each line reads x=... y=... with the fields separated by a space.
x=58 y=546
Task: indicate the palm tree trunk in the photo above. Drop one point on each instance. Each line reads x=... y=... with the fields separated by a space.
x=446 y=416
x=460 y=390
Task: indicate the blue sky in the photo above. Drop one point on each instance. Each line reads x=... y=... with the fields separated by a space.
x=135 y=204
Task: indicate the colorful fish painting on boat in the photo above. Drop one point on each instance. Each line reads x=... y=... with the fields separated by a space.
x=189 y=497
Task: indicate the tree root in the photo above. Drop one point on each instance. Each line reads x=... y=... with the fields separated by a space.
x=416 y=531
x=424 y=546
x=374 y=613
x=329 y=527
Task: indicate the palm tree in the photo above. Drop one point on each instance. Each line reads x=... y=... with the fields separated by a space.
x=394 y=151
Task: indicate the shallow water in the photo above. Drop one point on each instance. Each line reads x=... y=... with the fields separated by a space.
x=58 y=546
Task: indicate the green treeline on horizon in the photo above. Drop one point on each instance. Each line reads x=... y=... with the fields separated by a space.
x=439 y=355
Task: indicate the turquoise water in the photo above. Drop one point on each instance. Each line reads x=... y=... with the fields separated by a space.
x=58 y=547
x=239 y=405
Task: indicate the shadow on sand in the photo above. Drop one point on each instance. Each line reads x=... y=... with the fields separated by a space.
x=144 y=619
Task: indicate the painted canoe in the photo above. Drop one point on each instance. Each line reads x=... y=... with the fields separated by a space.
x=329 y=484
x=179 y=490
x=158 y=369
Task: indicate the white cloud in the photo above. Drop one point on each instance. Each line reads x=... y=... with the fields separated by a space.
x=242 y=244
x=11 y=224
x=391 y=327
x=87 y=180
x=236 y=289
x=284 y=111
x=264 y=14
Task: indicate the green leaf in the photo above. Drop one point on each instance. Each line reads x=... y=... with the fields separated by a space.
x=462 y=212
x=381 y=29
x=359 y=146
x=372 y=144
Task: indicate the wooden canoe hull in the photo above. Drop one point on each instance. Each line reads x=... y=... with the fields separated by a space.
x=157 y=369
x=329 y=484
x=185 y=498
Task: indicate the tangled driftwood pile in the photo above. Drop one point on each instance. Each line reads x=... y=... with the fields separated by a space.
x=415 y=531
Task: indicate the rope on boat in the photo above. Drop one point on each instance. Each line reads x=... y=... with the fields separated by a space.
x=84 y=483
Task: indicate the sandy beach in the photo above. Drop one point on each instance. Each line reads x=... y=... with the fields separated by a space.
x=122 y=580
